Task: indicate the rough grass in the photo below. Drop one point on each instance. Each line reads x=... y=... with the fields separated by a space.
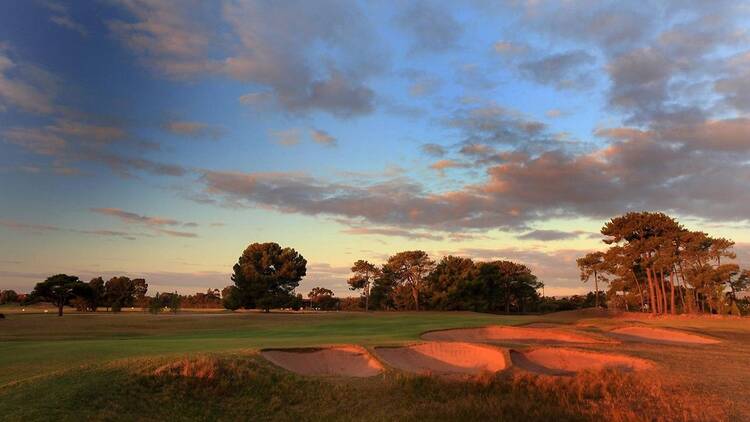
x=205 y=367
x=244 y=387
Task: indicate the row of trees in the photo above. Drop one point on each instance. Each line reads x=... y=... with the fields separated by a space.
x=411 y=280
x=266 y=276
x=10 y=296
x=657 y=265
x=115 y=293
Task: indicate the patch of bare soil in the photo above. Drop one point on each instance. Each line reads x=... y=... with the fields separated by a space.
x=509 y=334
x=661 y=335
x=347 y=361
x=450 y=358
x=557 y=361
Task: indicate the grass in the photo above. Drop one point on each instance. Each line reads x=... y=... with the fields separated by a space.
x=192 y=366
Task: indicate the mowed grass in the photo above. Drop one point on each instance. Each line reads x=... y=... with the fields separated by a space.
x=111 y=367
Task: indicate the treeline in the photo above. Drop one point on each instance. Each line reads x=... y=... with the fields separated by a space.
x=68 y=290
x=266 y=276
x=114 y=295
x=173 y=301
x=11 y=296
x=656 y=265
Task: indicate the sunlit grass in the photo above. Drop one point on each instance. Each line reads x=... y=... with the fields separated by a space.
x=133 y=366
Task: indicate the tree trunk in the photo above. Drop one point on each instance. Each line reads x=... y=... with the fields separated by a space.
x=665 y=306
x=640 y=290
x=60 y=304
x=415 y=295
x=681 y=292
x=367 y=297
x=671 y=285
x=596 y=284
x=652 y=303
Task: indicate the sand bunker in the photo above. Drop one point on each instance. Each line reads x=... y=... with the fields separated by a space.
x=444 y=358
x=556 y=361
x=348 y=361
x=508 y=334
x=662 y=335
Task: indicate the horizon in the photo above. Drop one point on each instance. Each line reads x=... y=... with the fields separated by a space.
x=159 y=139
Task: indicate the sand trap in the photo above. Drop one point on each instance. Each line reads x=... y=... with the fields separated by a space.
x=510 y=334
x=444 y=358
x=556 y=361
x=347 y=361
x=662 y=335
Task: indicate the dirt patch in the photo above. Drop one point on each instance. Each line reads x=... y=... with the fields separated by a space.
x=508 y=334
x=347 y=361
x=661 y=335
x=445 y=358
x=557 y=361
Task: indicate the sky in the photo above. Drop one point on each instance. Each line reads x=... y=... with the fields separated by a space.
x=158 y=139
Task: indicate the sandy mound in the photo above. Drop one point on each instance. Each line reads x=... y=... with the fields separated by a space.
x=348 y=361
x=508 y=334
x=555 y=361
x=662 y=335
x=444 y=358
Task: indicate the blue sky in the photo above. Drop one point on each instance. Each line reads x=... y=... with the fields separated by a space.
x=159 y=138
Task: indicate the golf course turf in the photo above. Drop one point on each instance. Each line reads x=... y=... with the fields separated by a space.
x=207 y=366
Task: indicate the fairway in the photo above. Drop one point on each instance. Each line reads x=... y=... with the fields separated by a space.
x=112 y=367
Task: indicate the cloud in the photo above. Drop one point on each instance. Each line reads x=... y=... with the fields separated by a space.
x=157 y=224
x=46 y=228
x=568 y=70
x=491 y=124
x=26 y=87
x=67 y=141
x=276 y=58
x=434 y=150
x=548 y=235
x=509 y=48
x=168 y=36
x=11 y=224
x=441 y=165
x=61 y=16
x=288 y=137
x=193 y=129
x=322 y=137
x=390 y=231
x=673 y=169
x=431 y=26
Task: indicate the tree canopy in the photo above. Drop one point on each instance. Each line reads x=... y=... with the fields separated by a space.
x=57 y=289
x=655 y=264
x=266 y=274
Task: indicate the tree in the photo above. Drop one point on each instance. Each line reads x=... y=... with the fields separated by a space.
x=508 y=284
x=122 y=291
x=410 y=268
x=57 y=289
x=322 y=298
x=154 y=304
x=453 y=285
x=174 y=303
x=668 y=266
x=230 y=298
x=8 y=296
x=592 y=264
x=266 y=274
x=364 y=274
